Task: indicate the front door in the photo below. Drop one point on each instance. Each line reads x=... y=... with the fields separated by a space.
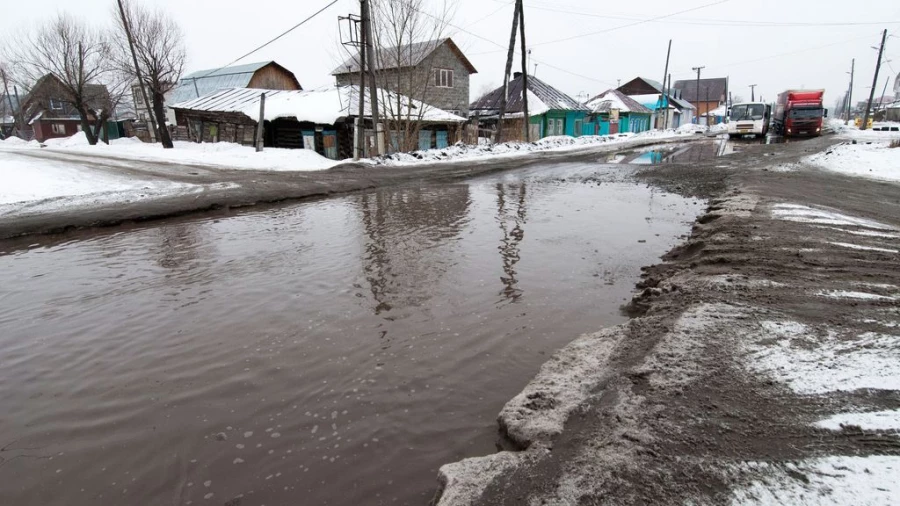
x=441 y=139
x=329 y=140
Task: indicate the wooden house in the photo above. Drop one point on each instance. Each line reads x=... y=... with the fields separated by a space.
x=551 y=112
x=266 y=75
x=321 y=120
x=649 y=93
x=704 y=94
x=49 y=112
x=435 y=72
x=614 y=112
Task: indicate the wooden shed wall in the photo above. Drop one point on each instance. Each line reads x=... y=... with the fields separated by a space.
x=273 y=77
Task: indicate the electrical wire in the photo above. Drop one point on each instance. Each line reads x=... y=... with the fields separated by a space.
x=289 y=30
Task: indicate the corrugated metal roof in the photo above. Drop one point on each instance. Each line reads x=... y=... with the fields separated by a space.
x=550 y=96
x=615 y=99
x=212 y=80
x=409 y=55
x=322 y=106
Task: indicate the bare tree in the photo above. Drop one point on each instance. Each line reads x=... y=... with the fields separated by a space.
x=403 y=31
x=76 y=58
x=159 y=53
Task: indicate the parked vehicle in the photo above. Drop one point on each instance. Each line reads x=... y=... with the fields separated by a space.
x=749 y=118
x=800 y=113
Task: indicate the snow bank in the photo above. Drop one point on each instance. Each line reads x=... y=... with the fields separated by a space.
x=872 y=160
x=805 y=214
x=465 y=152
x=880 y=131
x=691 y=128
x=226 y=155
x=28 y=179
x=873 y=420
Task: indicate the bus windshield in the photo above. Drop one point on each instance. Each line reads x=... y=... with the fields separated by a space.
x=748 y=112
x=806 y=113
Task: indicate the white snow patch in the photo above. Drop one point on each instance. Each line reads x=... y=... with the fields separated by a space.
x=848 y=294
x=866 y=233
x=805 y=214
x=864 y=248
x=836 y=480
x=814 y=364
x=872 y=420
x=875 y=160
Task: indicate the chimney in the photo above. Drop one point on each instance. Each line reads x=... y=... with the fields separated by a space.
x=517 y=75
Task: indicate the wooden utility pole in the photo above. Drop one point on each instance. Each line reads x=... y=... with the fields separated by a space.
x=137 y=72
x=17 y=116
x=698 y=69
x=874 y=81
x=509 y=58
x=369 y=48
x=668 y=88
x=663 y=99
x=360 y=124
x=850 y=91
x=259 y=126
x=527 y=119
x=884 y=91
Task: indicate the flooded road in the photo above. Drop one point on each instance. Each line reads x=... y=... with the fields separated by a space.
x=329 y=352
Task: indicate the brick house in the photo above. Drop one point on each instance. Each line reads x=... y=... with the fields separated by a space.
x=49 y=112
x=435 y=72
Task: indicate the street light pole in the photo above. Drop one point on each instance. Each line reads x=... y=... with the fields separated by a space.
x=850 y=91
x=753 y=93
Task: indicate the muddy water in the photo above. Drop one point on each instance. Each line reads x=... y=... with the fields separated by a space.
x=330 y=352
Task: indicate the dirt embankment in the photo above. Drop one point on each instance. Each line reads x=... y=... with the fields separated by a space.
x=779 y=312
x=226 y=189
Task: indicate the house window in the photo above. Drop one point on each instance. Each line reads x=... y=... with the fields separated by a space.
x=55 y=105
x=560 y=127
x=551 y=127
x=443 y=78
x=58 y=128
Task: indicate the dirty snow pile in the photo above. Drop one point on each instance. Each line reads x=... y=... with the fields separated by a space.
x=872 y=160
x=220 y=154
x=559 y=143
x=34 y=184
x=880 y=131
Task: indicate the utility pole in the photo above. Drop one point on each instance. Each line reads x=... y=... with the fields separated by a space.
x=727 y=93
x=663 y=102
x=850 y=91
x=509 y=58
x=874 y=81
x=17 y=116
x=698 y=69
x=668 y=94
x=360 y=122
x=753 y=93
x=524 y=71
x=369 y=48
x=259 y=126
x=137 y=73
x=884 y=91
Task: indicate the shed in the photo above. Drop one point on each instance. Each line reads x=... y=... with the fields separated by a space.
x=320 y=119
x=267 y=75
x=648 y=93
x=550 y=111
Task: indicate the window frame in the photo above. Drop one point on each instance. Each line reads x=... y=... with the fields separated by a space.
x=56 y=105
x=58 y=128
x=442 y=77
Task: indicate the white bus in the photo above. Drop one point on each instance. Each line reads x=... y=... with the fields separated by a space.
x=749 y=118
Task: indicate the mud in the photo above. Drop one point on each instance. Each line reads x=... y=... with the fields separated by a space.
x=230 y=189
x=671 y=406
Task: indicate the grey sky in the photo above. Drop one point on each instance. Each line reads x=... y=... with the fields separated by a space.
x=717 y=36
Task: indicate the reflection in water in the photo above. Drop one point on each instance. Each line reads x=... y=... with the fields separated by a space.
x=406 y=230
x=179 y=246
x=509 y=246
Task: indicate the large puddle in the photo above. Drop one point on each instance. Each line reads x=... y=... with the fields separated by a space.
x=329 y=352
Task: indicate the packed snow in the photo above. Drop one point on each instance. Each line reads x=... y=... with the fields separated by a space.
x=805 y=214
x=880 y=131
x=812 y=362
x=876 y=160
x=40 y=184
x=836 y=480
x=873 y=420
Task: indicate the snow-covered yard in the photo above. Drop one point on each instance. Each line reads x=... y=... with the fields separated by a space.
x=875 y=160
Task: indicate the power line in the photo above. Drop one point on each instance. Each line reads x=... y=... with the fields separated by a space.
x=289 y=30
x=713 y=22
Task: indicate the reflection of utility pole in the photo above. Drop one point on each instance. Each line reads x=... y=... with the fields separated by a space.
x=509 y=245
x=874 y=81
x=753 y=93
x=698 y=69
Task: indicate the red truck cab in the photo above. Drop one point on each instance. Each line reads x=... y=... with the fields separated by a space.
x=800 y=113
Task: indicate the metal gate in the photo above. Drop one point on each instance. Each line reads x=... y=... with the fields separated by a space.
x=424 y=139
x=441 y=140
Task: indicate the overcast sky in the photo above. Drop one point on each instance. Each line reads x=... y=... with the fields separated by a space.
x=732 y=38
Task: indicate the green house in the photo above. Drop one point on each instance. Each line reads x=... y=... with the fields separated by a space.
x=550 y=111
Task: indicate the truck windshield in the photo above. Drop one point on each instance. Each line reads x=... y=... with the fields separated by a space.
x=748 y=112
x=806 y=113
